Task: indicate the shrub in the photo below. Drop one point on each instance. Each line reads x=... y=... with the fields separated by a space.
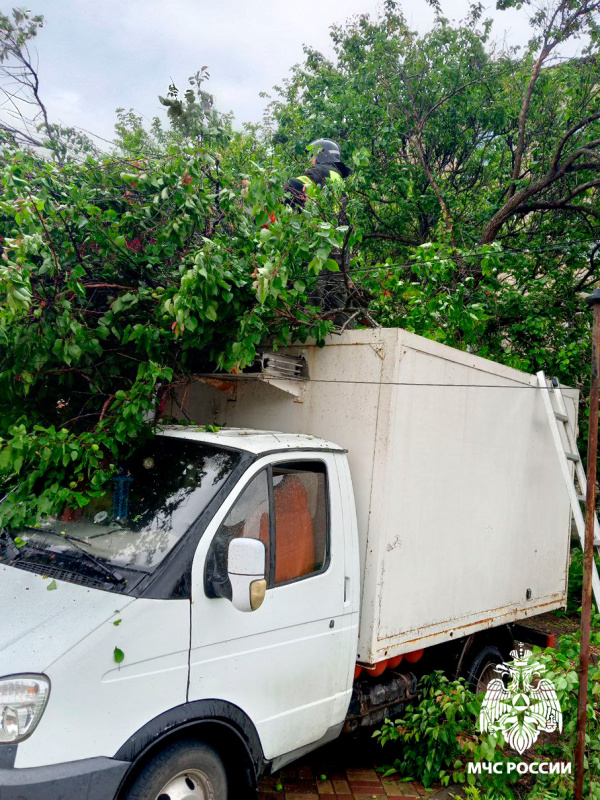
x=438 y=734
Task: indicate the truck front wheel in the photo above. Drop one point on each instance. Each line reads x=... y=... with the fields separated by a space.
x=182 y=771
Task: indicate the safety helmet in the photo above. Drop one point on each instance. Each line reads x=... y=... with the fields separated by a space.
x=326 y=151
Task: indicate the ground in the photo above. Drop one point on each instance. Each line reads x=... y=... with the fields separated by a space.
x=343 y=770
x=555 y=622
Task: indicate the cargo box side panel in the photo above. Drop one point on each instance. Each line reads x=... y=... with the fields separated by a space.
x=476 y=524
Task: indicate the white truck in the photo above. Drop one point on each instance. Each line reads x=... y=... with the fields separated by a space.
x=242 y=596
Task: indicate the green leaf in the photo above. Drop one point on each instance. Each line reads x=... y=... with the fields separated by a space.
x=51 y=586
x=118 y=655
x=331 y=265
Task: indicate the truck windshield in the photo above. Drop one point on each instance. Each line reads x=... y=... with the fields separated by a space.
x=152 y=502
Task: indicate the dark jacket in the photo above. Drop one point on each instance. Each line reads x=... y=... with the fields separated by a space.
x=316 y=174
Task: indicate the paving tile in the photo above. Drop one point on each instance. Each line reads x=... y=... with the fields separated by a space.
x=368 y=796
x=341 y=787
x=397 y=789
x=363 y=786
x=268 y=786
x=349 y=775
x=403 y=796
x=361 y=774
x=301 y=796
x=325 y=787
x=336 y=774
x=305 y=772
x=421 y=790
x=300 y=787
x=393 y=788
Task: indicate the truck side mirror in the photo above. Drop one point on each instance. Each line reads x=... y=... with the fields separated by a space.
x=246 y=567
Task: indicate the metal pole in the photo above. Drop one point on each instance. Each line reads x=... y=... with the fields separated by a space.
x=588 y=562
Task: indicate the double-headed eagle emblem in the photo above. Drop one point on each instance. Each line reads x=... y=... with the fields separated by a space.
x=523 y=708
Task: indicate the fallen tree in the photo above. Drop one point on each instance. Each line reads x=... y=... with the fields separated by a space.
x=125 y=275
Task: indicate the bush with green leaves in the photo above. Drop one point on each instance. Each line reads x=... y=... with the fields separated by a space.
x=562 y=665
x=576 y=580
x=437 y=734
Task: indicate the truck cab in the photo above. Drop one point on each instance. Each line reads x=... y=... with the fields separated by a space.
x=211 y=597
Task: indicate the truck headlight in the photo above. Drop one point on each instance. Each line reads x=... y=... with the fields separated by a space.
x=23 y=699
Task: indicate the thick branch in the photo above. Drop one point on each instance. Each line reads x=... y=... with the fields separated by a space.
x=567 y=26
x=557 y=206
x=519 y=199
x=525 y=106
x=434 y=185
x=571 y=132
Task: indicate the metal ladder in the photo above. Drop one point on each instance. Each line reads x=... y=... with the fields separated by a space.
x=569 y=457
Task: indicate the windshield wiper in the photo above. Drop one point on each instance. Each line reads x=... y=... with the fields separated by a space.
x=10 y=539
x=115 y=576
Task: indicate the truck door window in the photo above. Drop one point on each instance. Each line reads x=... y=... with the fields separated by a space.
x=292 y=520
x=301 y=520
x=249 y=516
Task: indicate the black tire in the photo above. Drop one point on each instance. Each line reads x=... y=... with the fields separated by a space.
x=480 y=669
x=194 y=763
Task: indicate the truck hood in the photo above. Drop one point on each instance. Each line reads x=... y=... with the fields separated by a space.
x=38 y=625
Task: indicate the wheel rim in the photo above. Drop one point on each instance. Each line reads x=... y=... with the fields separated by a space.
x=487 y=674
x=192 y=784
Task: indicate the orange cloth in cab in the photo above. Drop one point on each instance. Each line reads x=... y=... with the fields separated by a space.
x=295 y=552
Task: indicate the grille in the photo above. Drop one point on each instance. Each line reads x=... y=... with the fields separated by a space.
x=61 y=574
x=281 y=366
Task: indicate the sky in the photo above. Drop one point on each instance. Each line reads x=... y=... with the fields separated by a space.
x=97 y=55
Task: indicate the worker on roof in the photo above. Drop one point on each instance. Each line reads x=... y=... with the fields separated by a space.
x=326 y=163
x=329 y=291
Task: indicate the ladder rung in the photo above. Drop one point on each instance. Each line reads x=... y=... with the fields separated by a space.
x=564 y=457
x=581 y=498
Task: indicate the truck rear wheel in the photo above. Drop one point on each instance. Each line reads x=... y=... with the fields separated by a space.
x=482 y=668
x=182 y=771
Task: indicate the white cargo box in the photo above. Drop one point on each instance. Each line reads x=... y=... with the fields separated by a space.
x=463 y=515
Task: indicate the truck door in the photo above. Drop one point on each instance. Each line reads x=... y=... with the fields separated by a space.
x=286 y=663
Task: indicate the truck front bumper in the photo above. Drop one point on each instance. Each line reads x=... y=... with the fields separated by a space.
x=89 y=779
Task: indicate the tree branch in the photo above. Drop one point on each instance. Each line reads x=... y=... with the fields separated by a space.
x=519 y=199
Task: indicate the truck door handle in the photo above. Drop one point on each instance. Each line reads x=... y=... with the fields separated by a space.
x=346 y=588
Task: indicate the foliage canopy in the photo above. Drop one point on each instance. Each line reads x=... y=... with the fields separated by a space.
x=470 y=217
